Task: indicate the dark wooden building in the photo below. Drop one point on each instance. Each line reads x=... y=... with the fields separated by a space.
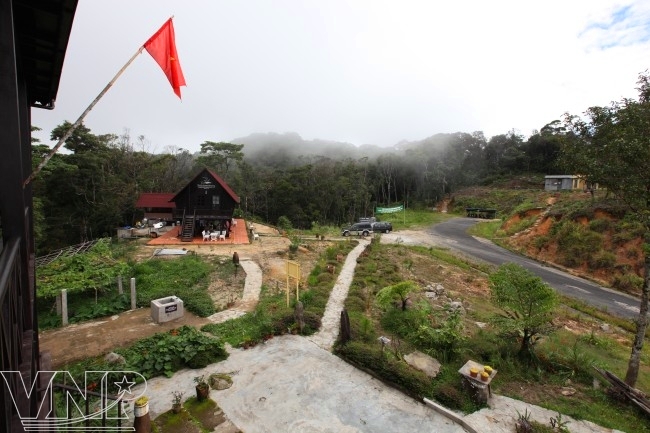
x=205 y=203
x=33 y=41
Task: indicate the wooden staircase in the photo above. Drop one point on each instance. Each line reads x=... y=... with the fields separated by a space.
x=187 y=233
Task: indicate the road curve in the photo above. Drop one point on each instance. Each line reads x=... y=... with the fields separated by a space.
x=453 y=234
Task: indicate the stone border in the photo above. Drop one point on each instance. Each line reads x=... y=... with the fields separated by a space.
x=449 y=414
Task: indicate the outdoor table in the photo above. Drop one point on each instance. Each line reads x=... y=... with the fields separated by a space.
x=479 y=387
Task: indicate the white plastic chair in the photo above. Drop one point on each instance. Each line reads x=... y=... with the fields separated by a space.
x=206 y=235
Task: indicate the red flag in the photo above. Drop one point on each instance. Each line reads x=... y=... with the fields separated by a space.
x=162 y=47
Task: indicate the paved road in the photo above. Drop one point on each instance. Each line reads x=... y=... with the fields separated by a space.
x=453 y=233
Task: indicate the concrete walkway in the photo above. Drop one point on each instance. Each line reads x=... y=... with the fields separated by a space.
x=289 y=384
x=330 y=323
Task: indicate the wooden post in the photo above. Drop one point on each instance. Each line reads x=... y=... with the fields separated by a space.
x=120 y=289
x=58 y=304
x=133 y=293
x=64 y=307
x=142 y=419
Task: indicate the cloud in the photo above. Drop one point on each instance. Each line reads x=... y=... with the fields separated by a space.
x=623 y=26
x=363 y=71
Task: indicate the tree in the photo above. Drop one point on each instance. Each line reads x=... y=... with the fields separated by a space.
x=220 y=155
x=611 y=148
x=398 y=292
x=81 y=140
x=527 y=301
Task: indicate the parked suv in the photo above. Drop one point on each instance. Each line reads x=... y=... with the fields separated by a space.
x=359 y=229
x=382 y=227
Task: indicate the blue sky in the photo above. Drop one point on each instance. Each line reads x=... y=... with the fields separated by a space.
x=364 y=72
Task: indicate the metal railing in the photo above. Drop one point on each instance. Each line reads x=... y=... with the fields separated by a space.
x=14 y=347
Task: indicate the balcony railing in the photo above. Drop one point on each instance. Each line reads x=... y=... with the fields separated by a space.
x=16 y=339
x=206 y=213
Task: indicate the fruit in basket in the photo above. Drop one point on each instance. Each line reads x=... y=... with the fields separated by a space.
x=473 y=371
x=488 y=369
x=484 y=376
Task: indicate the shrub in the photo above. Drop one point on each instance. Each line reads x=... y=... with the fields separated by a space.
x=541 y=241
x=630 y=283
x=600 y=225
x=389 y=369
x=485 y=346
x=406 y=323
x=602 y=260
x=442 y=341
x=284 y=223
x=577 y=243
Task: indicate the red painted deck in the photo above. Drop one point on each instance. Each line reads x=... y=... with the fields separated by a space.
x=237 y=236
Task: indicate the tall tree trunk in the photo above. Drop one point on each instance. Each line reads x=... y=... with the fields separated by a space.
x=641 y=325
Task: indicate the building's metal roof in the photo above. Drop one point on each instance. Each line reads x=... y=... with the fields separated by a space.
x=155 y=200
x=42 y=29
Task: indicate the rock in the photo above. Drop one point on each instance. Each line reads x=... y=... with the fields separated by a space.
x=568 y=391
x=423 y=362
x=220 y=381
x=604 y=327
x=481 y=325
x=457 y=305
x=114 y=358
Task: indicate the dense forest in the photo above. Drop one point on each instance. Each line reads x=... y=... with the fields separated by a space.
x=92 y=188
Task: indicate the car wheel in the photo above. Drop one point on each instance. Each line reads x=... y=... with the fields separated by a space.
x=365 y=233
x=153 y=235
x=346 y=233
x=386 y=231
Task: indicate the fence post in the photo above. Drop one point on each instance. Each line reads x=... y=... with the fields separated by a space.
x=120 y=289
x=64 y=306
x=58 y=305
x=133 y=293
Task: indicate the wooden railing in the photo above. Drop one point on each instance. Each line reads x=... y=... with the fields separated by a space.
x=64 y=252
x=206 y=213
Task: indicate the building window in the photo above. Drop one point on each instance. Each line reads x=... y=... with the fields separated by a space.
x=215 y=201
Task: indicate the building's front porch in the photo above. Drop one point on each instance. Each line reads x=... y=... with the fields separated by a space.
x=238 y=235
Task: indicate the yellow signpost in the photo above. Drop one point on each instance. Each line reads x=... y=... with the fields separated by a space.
x=293 y=271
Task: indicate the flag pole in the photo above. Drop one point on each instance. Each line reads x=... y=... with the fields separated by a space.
x=80 y=119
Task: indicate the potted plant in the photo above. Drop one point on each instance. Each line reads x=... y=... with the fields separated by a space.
x=177 y=401
x=141 y=406
x=202 y=388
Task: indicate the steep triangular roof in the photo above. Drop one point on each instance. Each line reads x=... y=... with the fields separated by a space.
x=217 y=179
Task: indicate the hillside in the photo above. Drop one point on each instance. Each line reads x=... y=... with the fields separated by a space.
x=589 y=236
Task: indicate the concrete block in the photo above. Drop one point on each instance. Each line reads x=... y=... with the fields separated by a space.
x=166 y=309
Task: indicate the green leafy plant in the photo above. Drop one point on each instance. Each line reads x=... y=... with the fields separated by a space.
x=95 y=269
x=396 y=293
x=523 y=423
x=527 y=302
x=166 y=352
x=559 y=425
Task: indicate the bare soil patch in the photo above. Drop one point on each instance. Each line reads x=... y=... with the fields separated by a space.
x=270 y=252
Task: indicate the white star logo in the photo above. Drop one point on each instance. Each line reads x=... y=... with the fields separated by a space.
x=124 y=385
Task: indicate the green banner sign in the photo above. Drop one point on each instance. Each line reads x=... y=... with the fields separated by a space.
x=390 y=209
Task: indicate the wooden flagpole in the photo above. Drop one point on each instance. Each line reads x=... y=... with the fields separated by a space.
x=80 y=119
